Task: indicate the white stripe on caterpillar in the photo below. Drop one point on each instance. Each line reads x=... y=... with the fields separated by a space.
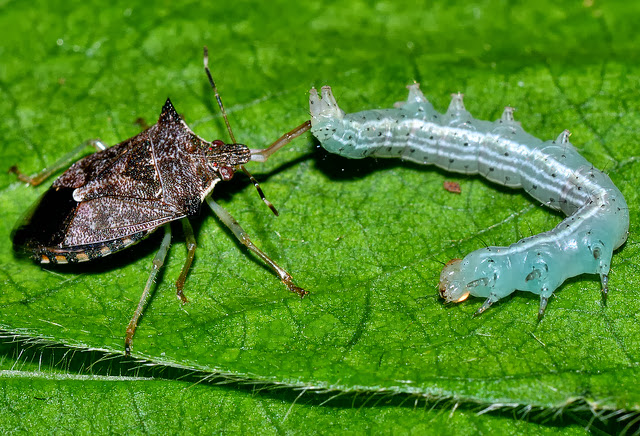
x=552 y=172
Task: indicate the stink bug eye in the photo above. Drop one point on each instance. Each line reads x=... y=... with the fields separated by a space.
x=226 y=172
x=118 y=196
x=216 y=144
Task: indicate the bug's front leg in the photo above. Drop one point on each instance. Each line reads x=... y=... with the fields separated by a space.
x=242 y=236
x=158 y=261
x=61 y=163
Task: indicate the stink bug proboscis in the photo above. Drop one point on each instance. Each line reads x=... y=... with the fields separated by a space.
x=119 y=195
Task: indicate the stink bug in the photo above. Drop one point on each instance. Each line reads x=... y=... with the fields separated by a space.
x=112 y=199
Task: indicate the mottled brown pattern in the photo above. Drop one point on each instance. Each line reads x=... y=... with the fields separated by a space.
x=127 y=191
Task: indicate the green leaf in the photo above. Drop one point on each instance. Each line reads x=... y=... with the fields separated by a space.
x=366 y=238
x=144 y=403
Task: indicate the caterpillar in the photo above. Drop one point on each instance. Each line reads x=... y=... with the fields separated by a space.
x=552 y=172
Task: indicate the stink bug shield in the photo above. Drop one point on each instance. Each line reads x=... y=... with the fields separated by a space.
x=119 y=195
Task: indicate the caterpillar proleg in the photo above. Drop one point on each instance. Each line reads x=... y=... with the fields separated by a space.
x=552 y=172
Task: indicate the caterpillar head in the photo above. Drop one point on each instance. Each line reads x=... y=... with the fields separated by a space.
x=451 y=288
x=477 y=274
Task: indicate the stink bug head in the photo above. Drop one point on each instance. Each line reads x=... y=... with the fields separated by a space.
x=225 y=159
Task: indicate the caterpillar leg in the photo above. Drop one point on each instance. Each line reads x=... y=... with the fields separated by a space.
x=604 y=267
x=543 y=305
x=487 y=304
x=544 y=299
x=604 y=279
x=603 y=258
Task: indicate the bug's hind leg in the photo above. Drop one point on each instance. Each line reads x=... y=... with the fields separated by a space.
x=61 y=163
x=191 y=252
x=242 y=236
x=158 y=261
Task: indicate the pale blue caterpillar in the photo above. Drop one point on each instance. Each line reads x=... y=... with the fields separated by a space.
x=552 y=172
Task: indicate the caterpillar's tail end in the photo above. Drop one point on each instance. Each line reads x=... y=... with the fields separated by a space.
x=324 y=106
x=451 y=289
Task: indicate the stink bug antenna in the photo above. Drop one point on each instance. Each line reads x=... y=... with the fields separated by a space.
x=215 y=90
x=259 y=189
x=233 y=138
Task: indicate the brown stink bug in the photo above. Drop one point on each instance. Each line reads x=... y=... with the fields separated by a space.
x=112 y=199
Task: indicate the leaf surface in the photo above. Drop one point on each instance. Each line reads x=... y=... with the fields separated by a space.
x=366 y=238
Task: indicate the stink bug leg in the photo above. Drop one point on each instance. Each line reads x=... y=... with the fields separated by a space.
x=61 y=163
x=242 y=236
x=259 y=156
x=118 y=196
x=191 y=252
x=158 y=261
